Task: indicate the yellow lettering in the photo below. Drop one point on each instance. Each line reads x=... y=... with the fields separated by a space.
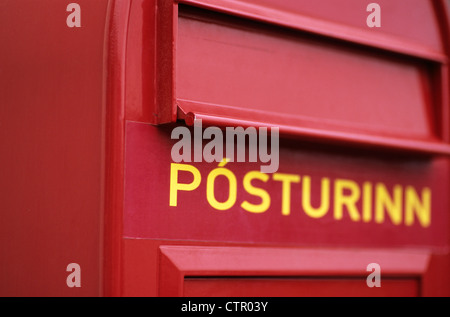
x=265 y=198
x=341 y=200
x=286 y=179
x=232 y=187
x=367 y=202
x=413 y=205
x=175 y=186
x=383 y=201
x=306 y=198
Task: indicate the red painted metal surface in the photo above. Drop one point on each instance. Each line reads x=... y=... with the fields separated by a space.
x=114 y=142
x=79 y=157
x=51 y=96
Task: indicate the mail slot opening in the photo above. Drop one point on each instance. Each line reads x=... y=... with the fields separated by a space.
x=238 y=69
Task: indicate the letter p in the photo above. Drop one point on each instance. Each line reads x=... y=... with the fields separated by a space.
x=175 y=186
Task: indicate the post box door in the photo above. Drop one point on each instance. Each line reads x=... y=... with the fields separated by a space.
x=195 y=271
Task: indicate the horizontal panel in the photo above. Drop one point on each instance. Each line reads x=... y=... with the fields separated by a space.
x=231 y=62
x=399 y=200
x=413 y=30
x=253 y=261
x=297 y=287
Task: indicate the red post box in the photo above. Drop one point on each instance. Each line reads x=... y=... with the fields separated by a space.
x=351 y=99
